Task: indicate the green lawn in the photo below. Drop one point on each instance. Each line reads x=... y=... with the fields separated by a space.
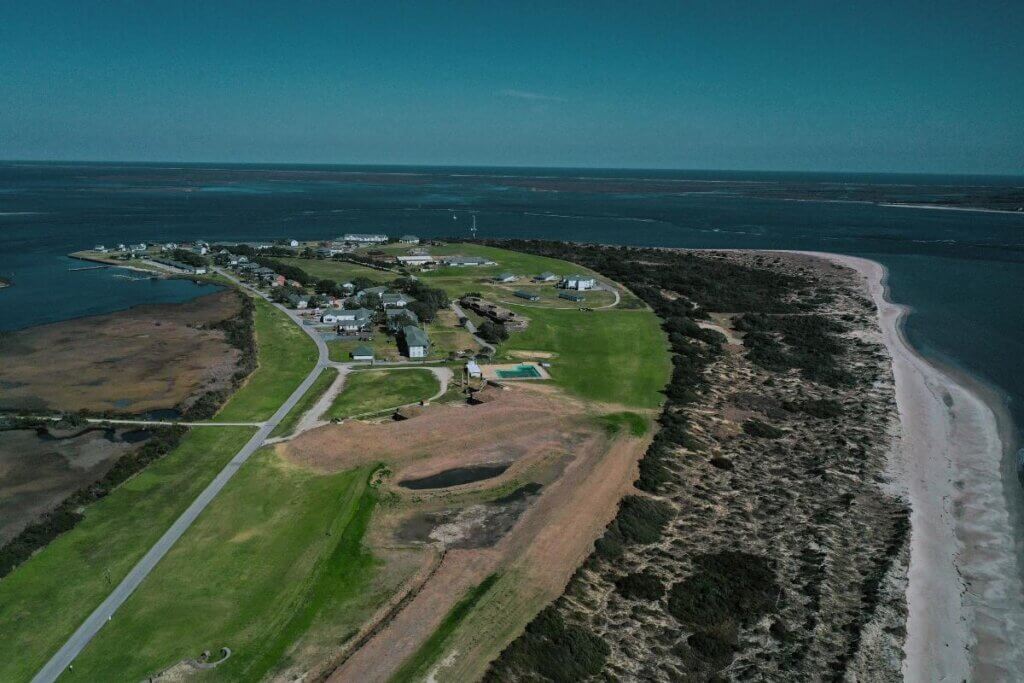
x=286 y=355
x=339 y=271
x=287 y=425
x=616 y=356
x=371 y=391
x=44 y=600
x=418 y=666
x=276 y=548
x=384 y=348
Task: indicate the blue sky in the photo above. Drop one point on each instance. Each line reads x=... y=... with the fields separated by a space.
x=867 y=86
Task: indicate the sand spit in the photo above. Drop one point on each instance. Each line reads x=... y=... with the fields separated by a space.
x=964 y=598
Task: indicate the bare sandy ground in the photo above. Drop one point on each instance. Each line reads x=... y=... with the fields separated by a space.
x=964 y=598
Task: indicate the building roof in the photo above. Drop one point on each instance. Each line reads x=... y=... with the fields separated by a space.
x=364 y=236
x=473 y=368
x=414 y=336
x=362 y=351
x=393 y=297
x=507 y=276
x=523 y=294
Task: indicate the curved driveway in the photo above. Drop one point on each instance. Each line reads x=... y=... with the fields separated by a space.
x=102 y=614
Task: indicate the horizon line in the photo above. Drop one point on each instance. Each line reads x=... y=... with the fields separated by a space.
x=665 y=169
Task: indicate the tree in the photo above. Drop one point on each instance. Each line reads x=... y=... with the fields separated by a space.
x=326 y=286
x=492 y=333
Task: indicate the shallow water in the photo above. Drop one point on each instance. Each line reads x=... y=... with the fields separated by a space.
x=455 y=477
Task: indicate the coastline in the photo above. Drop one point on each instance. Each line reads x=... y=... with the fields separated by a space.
x=965 y=612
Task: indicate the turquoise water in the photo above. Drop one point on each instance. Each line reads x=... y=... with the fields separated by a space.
x=962 y=272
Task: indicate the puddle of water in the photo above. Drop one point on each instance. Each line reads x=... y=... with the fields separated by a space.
x=455 y=477
x=136 y=435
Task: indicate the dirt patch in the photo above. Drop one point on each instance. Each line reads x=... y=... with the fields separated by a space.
x=146 y=358
x=538 y=533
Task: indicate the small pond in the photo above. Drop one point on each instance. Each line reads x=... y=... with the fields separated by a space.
x=455 y=477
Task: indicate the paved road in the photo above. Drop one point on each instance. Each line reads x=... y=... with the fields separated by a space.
x=102 y=614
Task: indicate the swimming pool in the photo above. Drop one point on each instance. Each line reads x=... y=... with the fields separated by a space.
x=520 y=372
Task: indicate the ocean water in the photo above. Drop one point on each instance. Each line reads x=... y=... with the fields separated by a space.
x=961 y=272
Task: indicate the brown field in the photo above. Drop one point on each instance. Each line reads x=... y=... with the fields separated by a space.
x=145 y=358
x=549 y=440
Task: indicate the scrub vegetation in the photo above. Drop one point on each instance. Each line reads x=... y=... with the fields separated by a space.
x=765 y=537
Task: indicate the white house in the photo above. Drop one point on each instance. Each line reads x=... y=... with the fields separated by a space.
x=463 y=261
x=415 y=260
x=363 y=353
x=395 y=300
x=416 y=342
x=409 y=239
x=580 y=282
x=364 y=238
x=506 y=277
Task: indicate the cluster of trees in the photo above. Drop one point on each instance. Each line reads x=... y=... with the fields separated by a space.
x=189 y=257
x=429 y=300
x=66 y=515
x=239 y=332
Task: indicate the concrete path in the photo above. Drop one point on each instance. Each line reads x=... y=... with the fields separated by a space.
x=149 y=423
x=313 y=418
x=105 y=612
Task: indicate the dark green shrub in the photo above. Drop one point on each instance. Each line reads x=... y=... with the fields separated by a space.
x=761 y=430
x=643 y=585
x=726 y=588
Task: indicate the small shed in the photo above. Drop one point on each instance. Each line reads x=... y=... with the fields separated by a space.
x=529 y=296
x=506 y=277
x=362 y=353
x=473 y=369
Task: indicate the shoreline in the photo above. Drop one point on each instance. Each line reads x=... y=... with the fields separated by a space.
x=964 y=594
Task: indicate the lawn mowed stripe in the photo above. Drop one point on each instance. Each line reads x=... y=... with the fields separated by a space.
x=371 y=391
x=45 y=599
x=418 y=666
x=323 y=381
x=286 y=355
x=614 y=356
x=277 y=546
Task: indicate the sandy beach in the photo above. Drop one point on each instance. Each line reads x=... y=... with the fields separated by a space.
x=964 y=596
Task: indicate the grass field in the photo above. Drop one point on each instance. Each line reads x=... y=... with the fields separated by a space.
x=447 y=335
x=339 y=271
x=44 y=600
x=286 y=355
x=384 y=348
x=279 y=545
x=287 y=425
x=611 y=355
x=371 y=391
x=418 y=666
